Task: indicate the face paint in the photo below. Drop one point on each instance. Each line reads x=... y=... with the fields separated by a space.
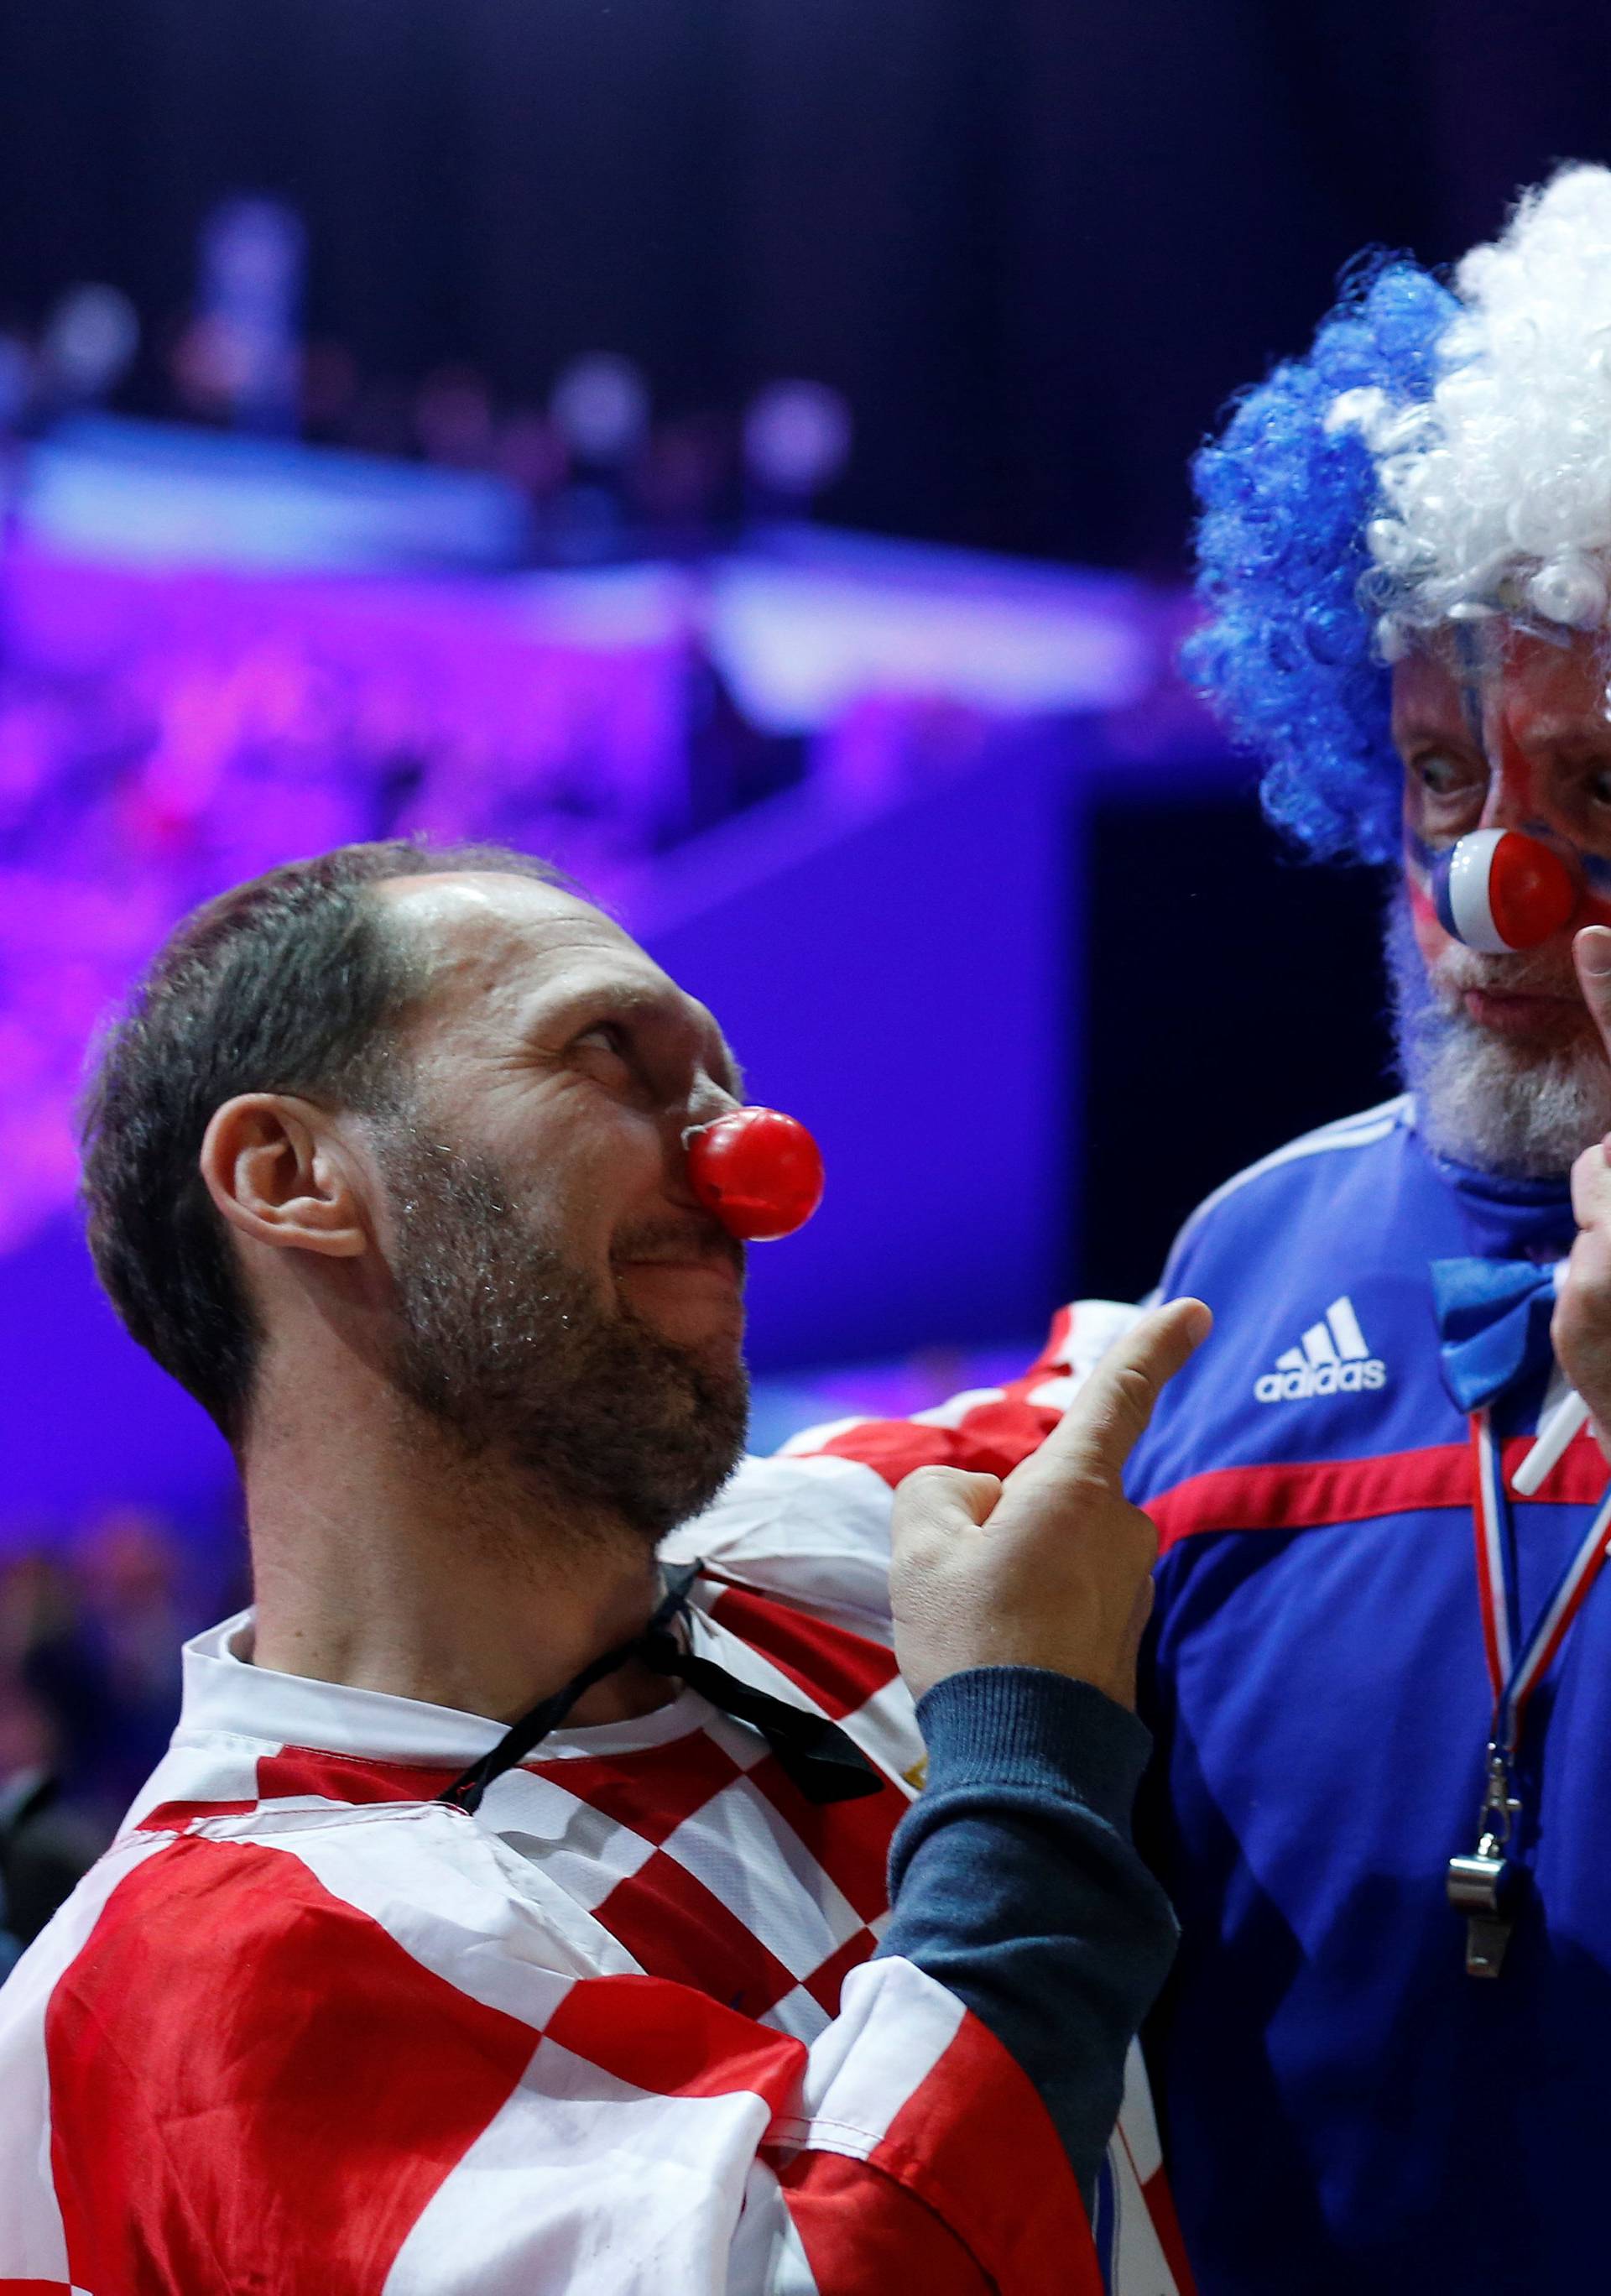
x=1518 y=878
x=1478 y=649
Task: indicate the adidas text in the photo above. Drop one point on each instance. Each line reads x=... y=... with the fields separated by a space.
x=1320 y=1379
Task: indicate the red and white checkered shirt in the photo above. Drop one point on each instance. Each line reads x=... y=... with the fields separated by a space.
x=305 y=2028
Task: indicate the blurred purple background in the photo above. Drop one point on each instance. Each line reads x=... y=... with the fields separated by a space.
x=738 y=452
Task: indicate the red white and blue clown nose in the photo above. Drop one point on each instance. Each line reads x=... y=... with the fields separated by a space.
x=1500 y=889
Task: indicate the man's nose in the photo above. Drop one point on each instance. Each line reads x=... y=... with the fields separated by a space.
x=706 y=1101
x=1513 y=799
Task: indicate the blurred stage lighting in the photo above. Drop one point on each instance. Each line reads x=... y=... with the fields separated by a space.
x=600 y=405
x=16 y=379
x=242 y=356
x=89 y=342
x=797 y=438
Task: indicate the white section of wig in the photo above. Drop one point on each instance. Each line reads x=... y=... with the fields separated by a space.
x=1495 y=495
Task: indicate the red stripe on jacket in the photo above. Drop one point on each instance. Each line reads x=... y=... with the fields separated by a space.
x=1298 y=1495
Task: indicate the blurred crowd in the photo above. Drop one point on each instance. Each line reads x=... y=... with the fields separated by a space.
x=603 y=469
x=91 y=1626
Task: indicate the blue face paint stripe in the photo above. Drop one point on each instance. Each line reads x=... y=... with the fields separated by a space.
x=1473 y=668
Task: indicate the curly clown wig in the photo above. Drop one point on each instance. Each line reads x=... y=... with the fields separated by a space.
x=1443 y=455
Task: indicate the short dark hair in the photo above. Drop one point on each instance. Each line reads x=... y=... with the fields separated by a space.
x=294 y=982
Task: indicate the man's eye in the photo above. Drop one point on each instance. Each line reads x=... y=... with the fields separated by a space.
x=607 y=1035
x=1599 y=786
x=1441 y=774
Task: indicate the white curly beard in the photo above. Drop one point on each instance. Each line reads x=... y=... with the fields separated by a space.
x=1482 y=1099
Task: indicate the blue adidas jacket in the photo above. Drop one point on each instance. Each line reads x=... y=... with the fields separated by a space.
x=1345 y=2108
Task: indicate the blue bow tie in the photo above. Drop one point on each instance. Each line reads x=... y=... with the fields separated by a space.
x=1493 y=1320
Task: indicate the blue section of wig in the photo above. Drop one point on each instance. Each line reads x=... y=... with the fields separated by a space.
x=1286 y=656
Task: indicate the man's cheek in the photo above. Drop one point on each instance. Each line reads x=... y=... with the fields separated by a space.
x=621 y=1171
x=1430 y=937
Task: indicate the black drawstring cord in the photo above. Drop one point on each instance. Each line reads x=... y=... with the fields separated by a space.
x=820 y=1758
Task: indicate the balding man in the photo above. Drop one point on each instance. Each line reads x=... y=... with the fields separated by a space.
x=511 y=1912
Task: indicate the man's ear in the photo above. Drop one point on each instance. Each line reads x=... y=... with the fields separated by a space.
x=278 y=1174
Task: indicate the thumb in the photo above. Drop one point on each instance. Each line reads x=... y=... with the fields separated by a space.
x=1096 y=1433
x=942 y=1500
x=1591 y=956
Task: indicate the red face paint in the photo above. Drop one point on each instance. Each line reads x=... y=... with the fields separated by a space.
x=1503 y=736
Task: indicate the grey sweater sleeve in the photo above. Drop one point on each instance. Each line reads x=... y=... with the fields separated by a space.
x=1015 y=1884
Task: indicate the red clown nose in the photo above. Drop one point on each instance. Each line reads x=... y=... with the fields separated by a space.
x=758 y=1171
x=1498 y=889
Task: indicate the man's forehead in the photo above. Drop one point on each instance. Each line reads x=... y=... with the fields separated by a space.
x=503 y=950
x=1495 y=661
x=483 y=931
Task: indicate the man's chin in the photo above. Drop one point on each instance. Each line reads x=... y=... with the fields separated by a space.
x=1522 y=1100
x=1507 y=1101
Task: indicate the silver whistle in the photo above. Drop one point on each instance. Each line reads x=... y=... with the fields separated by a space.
x=1483 y=1887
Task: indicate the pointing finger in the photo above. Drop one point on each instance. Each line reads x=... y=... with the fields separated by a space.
x=1592 y=957
x=1100 y=1428
x=1581 y=1327
x=1591 y=1187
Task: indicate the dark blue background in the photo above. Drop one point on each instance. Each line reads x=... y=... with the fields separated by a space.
x=1036 y=241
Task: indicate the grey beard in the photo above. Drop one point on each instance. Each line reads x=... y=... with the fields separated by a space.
x=1481 y=1100
x=507 y=1348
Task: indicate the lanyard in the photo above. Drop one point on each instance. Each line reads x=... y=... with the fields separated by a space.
x=820 y=1760
x=1516 y=1665
x=1484 y=1886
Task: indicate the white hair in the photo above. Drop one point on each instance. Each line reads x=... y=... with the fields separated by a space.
x=1495 y=493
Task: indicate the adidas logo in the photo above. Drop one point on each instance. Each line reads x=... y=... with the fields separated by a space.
x=1331 y=1360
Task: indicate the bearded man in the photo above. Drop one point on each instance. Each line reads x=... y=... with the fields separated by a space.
x=511 y=1912
x=1383 y=1760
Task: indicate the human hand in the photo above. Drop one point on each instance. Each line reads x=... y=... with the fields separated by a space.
x=1582 y=1325
x=1051 y=1567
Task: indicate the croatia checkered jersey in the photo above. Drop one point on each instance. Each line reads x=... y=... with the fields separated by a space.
x=306 y=2028
x=988 y=1429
